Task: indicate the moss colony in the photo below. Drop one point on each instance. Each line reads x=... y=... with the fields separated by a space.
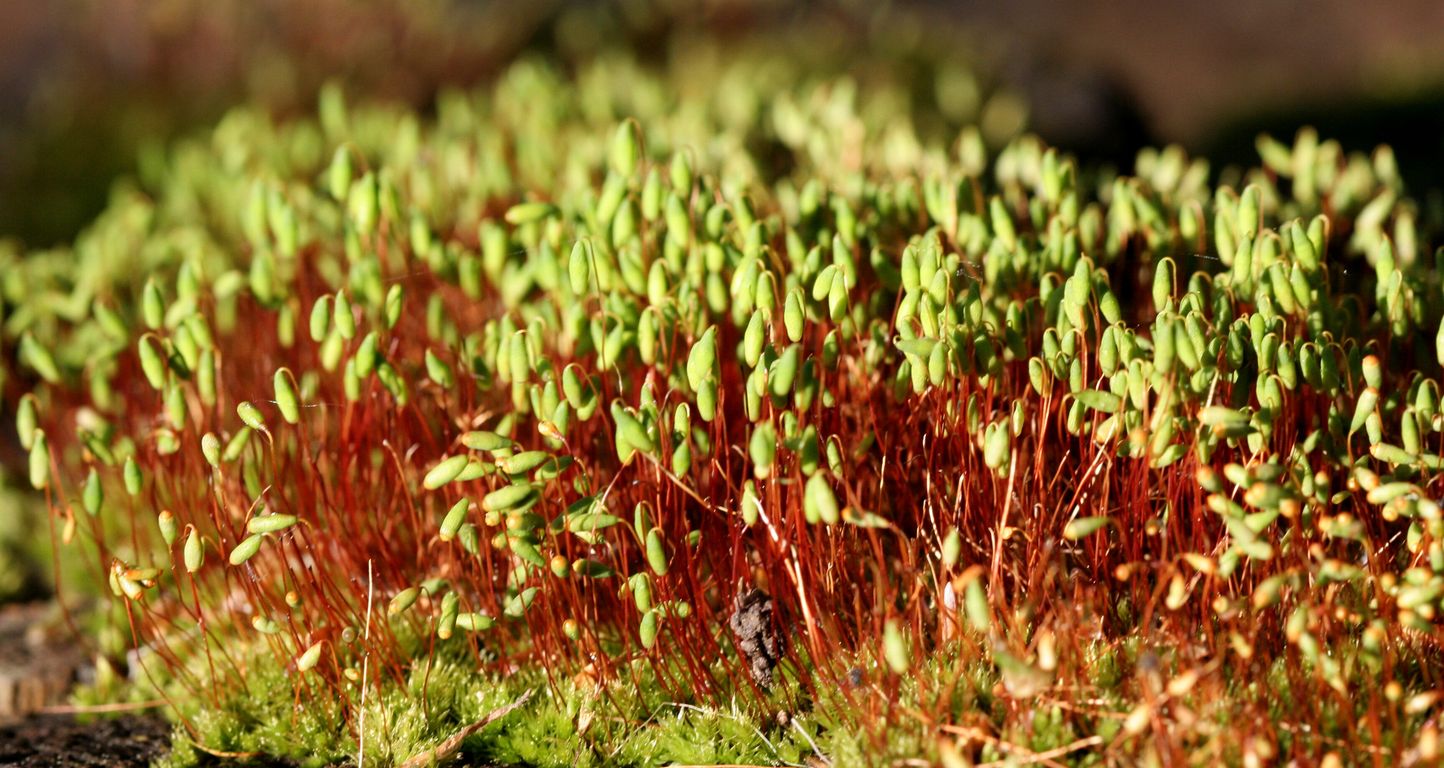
x=743 y=422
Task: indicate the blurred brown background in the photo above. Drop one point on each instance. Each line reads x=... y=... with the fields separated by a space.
x=86 y=84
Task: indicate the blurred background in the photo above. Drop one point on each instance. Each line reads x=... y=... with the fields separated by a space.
x=87 y=85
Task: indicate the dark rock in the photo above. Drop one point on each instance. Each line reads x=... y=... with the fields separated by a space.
x=756 y=634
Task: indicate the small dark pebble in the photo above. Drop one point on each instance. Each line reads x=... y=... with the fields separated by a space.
x=757 y=637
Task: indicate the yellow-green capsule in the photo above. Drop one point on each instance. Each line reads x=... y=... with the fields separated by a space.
x=446 y=624
x=632 y=431
x=39 y=461
x=1039 y=377
x=485 y=440
x=1164 y=278
x=474 y=621
x=195 y=553
x=591 y=569
x=648 y=335
x=152 y=305
x=657 y=552
x=166 y=522
x=793 y=315
x=395 y=301
x=754 y=338
x=236 y=444
x=286 y=399
x=819 y=502
x=702 y=359
x=247 y=549
x=895 y=646
x=1098 y=400
x=517 y=604
x=783 y=371
x=1084 y=526
x=707 y=400
x=403 y=601
x=523 y=462
x=528 y=213
x=27 y=420
x=92 y=496
x=975 y=605
x=579 y=267
x=507 y=497
x=1364 y=408
x=1373 y=371
x=762 y=449
x=680 y=172
x=444 y=472
x=1281 y=288
x=251 y=416
x=175 y=405
x=751 y=503
x=952 y=548
x=366 y=356
x=310 y=657
x=39 y=359
x=131 y=474
x=270 y=523
x=206 y=377
x=1304 y=250
x=1390 y=454
x=1108 y=351
x=648 y=629
x=626 y=148
x=526 y=551
x=1248 y=211
x=997 y=445
x=438 y=371
x=152 y=361
x=320 y=323
x=342 y=316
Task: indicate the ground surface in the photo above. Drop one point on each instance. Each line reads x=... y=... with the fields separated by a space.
x=59 y=740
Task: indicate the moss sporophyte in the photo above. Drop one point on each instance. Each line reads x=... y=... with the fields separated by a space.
x=945 y=449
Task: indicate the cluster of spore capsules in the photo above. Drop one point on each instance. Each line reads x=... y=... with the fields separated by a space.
x=574 y=371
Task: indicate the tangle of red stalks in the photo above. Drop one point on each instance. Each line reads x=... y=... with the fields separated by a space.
x=350 y=471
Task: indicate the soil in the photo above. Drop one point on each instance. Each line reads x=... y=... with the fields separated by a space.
x=56 y=741
x=38 y=662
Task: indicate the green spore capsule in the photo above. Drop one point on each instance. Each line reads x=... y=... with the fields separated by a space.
x=508 y=497
x=93 y=494
x=131 y=473
x=27 y=420
x=39 y=461
x=320 y=324
x=819 y=502
x=166 y=522
x=896 y=648
x=657 y=552
x=194 y=550
x=287 y=399
x=310 y=657
x=251 y=416
x=247 y=549
x=647 y=631
x=444 y=472
x=522 y=214
x=270 y=523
